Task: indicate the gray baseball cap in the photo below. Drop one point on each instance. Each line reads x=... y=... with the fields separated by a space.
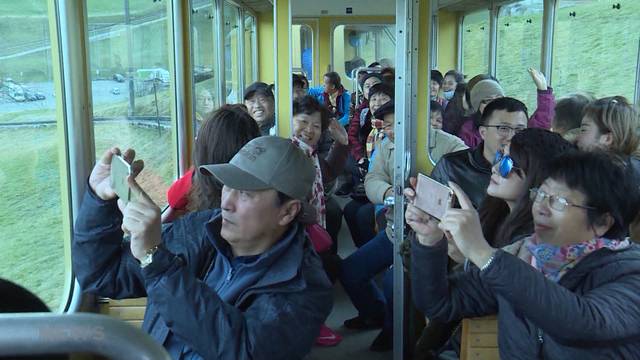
x=267 y=162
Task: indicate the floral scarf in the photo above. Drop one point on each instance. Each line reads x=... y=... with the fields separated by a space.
x=554 y=261
x=375 y=135
x=317 y=194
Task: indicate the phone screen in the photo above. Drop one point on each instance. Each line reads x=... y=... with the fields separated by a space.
x=120 y=169
x=433 y=197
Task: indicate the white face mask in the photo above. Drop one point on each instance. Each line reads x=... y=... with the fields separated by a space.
x=448 y=94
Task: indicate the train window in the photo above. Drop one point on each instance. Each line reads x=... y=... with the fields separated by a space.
x=595 y=47
x=204 y=50
x=231 y=53
x=249 y=45
x=131 y=81
x=519 y=46
x=31 y=143
x=356 y=46
x=475 y=43
x=302 y=50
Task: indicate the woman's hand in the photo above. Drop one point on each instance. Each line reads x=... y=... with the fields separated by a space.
x=463 y=226
x=338 y=133
x=538 y=79
x=424 y=225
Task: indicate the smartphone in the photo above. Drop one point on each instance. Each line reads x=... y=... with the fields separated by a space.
x=120 y=169
x=433 y=197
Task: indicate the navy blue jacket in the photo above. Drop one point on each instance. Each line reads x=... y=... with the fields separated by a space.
x=592 y=313
x=202 y=303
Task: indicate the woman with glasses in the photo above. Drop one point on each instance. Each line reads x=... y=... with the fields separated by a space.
x=571 y=290
x=505 y=213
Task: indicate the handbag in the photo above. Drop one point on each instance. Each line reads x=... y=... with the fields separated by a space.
x=320 y=238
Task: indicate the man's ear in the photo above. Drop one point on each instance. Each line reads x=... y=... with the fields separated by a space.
x=289 y=211
x=483 y=132
x=603 y=224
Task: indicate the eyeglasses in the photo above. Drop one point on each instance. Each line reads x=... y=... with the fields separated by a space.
x=504 y=130
x=555 y=202
x=505 y=164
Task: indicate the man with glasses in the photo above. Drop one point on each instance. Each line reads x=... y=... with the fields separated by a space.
x=471 y=168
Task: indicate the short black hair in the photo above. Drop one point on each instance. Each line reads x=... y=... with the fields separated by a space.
x=298 y=80
x=334 y=78
x=607 y=182
x=437 y=76
x=259 y=88
x=506 y=103
x=382 y=88
x=456 y=75
x=435 y=106
x=310 y=105
x=569 y=111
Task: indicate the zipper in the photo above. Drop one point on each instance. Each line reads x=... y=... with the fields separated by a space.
x=540 y=343
x=229 y=276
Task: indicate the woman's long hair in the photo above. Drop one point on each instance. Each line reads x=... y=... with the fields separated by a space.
x=531 y=150
x=222 y=134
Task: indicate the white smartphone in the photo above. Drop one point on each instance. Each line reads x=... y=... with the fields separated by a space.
x=433 y=197
x=120 y=169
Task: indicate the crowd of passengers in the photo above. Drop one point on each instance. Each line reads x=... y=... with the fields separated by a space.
x=242 y=263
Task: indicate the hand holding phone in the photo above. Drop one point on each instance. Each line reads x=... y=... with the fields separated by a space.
x=433 y=197
x=120 y=170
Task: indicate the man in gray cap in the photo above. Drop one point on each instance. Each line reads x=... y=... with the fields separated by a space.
x=240 y=282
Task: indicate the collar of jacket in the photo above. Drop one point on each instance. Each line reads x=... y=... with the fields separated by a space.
x=284 y=259
x=477 y=160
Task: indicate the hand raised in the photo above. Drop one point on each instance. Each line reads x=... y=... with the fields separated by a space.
x=464 y=227
x=337 y=132
x=100 y=178
x=538 y=78
x=142 y=218
x=425 y=226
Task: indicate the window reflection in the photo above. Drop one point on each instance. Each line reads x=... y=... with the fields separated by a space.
x=231 y=53
x=204 y=50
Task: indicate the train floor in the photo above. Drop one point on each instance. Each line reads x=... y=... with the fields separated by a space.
x=355 y=343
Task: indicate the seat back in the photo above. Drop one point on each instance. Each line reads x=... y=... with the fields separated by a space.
x=479 y=339
x=130 y=311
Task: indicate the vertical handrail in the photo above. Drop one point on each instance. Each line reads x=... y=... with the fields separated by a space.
x=43 y=333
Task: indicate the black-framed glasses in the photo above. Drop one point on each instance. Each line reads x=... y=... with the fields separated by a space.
x=555 y=202
x=505 y=164
x=504 y=130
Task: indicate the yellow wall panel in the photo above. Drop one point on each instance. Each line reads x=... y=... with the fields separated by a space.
x=265 y=48
x=447 y=40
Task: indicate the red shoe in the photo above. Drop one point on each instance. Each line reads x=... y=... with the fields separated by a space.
x=328 y=337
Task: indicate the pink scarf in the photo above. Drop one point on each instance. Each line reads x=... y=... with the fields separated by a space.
x=317 y=193
x=554 y=261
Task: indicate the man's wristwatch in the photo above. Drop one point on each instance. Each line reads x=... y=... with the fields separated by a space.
x=148 y=256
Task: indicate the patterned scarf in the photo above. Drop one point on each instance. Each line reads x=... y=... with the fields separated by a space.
x=317 y=194
x=554 y=261
x=375 y=136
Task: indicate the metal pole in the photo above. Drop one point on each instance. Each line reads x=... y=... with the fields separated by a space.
x=493 y=38
x=132 y=95
x=546 y=53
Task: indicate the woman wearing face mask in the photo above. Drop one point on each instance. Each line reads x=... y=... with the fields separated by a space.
x=569 y=291
x=505 y=214
x=451 y=80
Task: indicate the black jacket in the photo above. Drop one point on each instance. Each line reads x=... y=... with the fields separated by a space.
x=467 y=168
x=592 y=313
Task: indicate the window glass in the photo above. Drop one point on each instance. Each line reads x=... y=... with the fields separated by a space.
x=204 y=50
x=355 y=46
x=131 y=81
x=519 y=46
x=475 y=44
x=595 y=47
x=249 y=41
x=231 y=52
x=31 y=212
x=302 y=49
